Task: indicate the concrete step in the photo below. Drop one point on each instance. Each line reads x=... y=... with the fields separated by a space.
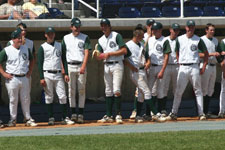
x=77 y=13
x=65 y=6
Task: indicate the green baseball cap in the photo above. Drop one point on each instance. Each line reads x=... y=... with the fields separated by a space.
x=76 y=22
x=22 y=24
x=15 y=34
x=139 y=27
x=49 y=29
x=190 y=23
x=105 y=21
x=150 y=22
x=175 y=26
x=157 y=25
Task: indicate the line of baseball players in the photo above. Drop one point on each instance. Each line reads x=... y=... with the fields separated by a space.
x=153 y=60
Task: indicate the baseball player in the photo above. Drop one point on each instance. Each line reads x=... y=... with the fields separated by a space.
x=1 y=123
x=112 y=50
x=77 y=46
x=222 y=92
x=158 y=48
x=18 y=70
x=188 y=47
x=172 y=67
x=208 y=78
x=147 y=35
x=138 y=65
x=50 y=58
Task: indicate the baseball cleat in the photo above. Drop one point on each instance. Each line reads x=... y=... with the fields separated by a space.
x=133 y=114
x=106 y=119
x=157 y=118
x=1 y=124
x=221 y=115
x=51 y=121
x=146 y=117
x=31 y=123
x=211 y=116
x=139 y=119
x=171 y=116
x=119 y=119
x=202 y=117
x=11 y=123
x=67 y=121
x=163 y=113
x=80 y=119
x=74 y=117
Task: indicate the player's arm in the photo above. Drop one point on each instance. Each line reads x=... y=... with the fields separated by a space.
x=202 y=49
x=177 y=47
x=3 y=58
x=40 y=66
x=87 y=48
x=122 y=48
x=129 y=63
x=166 y=51
x=147 y=58
x=64 y=66
x=221 y=60
x=31 y=64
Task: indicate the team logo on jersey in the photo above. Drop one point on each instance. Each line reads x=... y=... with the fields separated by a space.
x=58 y=53
x=80 y=44
x=24 y=56
x=194 y=47
x=112 y=44
x=159 y=47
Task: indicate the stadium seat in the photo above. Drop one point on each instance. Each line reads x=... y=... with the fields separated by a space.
x=110 y=9
x=170 y=11
x=192 y=11
x=148 y=11
x=129 y=12
x=213 y=11
x=199 y=3
x=54 y=12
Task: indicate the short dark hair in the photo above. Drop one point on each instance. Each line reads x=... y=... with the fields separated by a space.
x=209 y=25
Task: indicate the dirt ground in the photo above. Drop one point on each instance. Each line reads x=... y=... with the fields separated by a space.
x=43 y=125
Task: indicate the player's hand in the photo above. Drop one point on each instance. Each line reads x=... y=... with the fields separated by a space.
x=43 y=83
x=147 y=65
x=7 y=75
x=28 y=74
x=66 y=78
x=134 y=69
x=222 y=53
x=202 y=70
x=160 y=75
x=82 y=70
x=217 y=54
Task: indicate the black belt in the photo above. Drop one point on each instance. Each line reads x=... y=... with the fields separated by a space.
x=74 y=63
x=212 y=64
x=187 y=64
x=141 y=68
x=53 y=71
x=18 y=75
x=111 y=62
x=154 y=65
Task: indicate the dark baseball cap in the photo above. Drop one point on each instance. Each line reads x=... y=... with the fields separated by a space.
x=190 y=23
x=15 y=34
x=139 y=27
x=175 y=26
x=157 y=25
x=22 y=24
x=150 y=22
x=76 y=22
x=105 y=21
x=49 y=29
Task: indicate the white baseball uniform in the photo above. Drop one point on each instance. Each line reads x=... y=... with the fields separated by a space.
x=172 y=68
x=17 y=64
x=189 y=69
x=139 y=78
x=208 y=78
x=49 y=63
x=156 y=49
x=75 y=47
x=222 y=92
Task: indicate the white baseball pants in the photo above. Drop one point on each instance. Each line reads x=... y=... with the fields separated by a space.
x=171 y=75
x=222 y=96
x=188 y=73
x=208 y=80
x=140 y=80
x=18 y=87
x=59 y=86
x=77 y=80
x=113 y=75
